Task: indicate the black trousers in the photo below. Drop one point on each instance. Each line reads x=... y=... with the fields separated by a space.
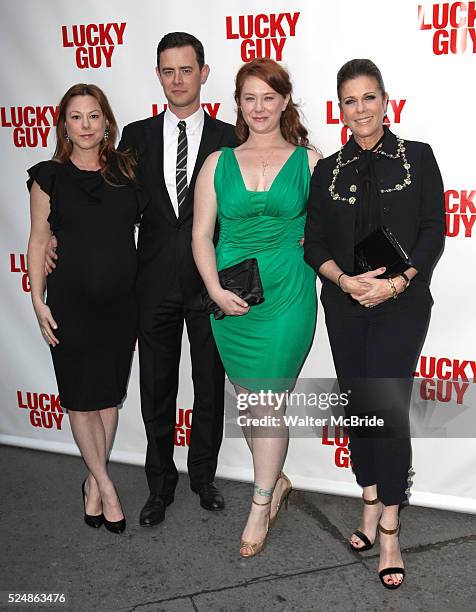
x=160 y=342
x=375 y=352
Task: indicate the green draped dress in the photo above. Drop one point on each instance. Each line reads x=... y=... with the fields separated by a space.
x=266 y=348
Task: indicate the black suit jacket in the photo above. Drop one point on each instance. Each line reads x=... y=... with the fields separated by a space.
x=165 y=241
x=416 y=214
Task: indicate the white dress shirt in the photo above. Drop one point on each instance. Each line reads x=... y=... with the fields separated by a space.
x=194 y=129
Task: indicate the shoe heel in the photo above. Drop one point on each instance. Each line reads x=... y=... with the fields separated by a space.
x=286 y=500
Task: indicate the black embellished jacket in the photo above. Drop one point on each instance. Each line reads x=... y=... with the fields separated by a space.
x=415 y=214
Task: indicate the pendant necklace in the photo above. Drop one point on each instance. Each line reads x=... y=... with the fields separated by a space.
x=265 y=163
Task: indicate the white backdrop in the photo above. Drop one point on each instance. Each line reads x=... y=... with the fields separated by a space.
x=429 y=73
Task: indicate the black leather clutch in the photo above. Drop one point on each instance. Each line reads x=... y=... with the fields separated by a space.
x=381 y=248
x=243 y=279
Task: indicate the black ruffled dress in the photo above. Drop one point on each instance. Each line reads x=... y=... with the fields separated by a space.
x=91 y=292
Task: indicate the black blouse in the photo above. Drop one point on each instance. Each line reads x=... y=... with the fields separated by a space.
x=368 y=215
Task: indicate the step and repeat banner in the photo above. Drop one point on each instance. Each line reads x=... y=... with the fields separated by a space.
x=426 y=52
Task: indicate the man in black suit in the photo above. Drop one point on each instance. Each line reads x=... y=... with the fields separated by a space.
x=171 y=149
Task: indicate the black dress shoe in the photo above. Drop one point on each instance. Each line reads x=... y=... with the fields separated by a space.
x=210 y=496
x=92 y=520
x=153 y=511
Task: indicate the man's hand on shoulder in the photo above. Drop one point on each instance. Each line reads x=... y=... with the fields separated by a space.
x=50 y=255
x=313 y=157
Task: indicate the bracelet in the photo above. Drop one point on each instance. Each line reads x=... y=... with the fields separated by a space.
x=339 y=277
x=405 y=278
x=393 y=288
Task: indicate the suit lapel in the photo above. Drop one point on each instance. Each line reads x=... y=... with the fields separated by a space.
x=210 y=141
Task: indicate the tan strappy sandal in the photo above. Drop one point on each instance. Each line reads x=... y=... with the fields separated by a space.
x=256 y=547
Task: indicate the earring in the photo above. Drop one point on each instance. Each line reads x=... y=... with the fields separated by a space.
x=66 y=135
x=107 y=133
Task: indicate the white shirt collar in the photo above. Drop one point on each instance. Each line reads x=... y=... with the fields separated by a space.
x=194 y=121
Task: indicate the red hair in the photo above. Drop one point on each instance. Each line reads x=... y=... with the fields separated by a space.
x=107 y=151
x=274 y=75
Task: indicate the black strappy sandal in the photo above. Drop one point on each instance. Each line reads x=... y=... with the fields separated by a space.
x=391 y=570
x=360 y=534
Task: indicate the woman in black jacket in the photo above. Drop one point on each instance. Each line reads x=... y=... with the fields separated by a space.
x=376 y=321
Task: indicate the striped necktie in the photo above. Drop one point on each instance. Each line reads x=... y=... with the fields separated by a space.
x=181 y=168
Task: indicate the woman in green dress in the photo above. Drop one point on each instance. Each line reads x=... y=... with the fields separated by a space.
x=259 y=192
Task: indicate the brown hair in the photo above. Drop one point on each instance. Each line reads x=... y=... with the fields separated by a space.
x=278 y=79
x=181 y=39
x=107 y=151
x=359 y=67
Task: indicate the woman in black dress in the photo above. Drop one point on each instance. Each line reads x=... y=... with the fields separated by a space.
x=87 y=195
x=376 y=179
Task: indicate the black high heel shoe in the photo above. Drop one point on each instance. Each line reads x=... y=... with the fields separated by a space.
x=391 y=570
x=115 y=526
x=367 y=543
x=91 y=520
